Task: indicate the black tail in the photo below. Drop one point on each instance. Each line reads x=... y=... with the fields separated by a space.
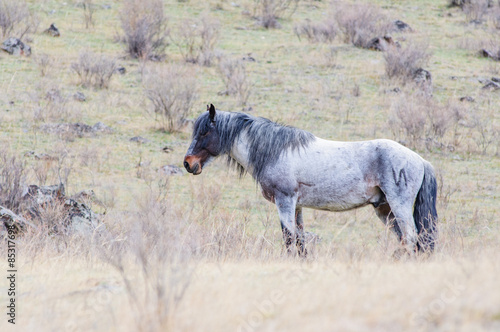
x=424 y=212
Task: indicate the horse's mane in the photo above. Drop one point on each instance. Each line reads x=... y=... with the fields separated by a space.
x=267 y=140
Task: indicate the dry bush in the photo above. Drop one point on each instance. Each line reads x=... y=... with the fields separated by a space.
x=16 y=19
x=146 y=28
x=234 y=75
x=268 y=12
x=402 y=62
x=173 y=92
x=197 y=41
x=44 y=62
x=88 y=13
x=360 y=23
x=415 y=119
x=94 y=70
x=322 y=32
x=12 y=181
x=475 y=10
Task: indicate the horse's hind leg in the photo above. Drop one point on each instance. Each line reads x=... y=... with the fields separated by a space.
x=403 y=214
x=383 y=211
x=299 y=222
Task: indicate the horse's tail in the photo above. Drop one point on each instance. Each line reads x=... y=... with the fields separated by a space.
x=425 y=213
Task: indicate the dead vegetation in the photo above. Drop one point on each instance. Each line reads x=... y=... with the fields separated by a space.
x=197 y=39
x=402 y=63
x=234 y=75
x=172 y=91
x=268 y=12
x=145 y=28
x=16 y=19
x=94 y=70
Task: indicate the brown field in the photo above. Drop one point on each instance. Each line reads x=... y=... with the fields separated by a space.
x=205 y=253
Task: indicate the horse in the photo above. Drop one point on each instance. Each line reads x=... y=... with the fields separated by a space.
x=296 y=170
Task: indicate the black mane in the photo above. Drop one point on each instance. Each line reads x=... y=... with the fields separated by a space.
x=267 y=139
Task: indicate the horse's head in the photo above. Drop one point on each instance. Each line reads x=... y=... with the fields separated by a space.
x=206 y=142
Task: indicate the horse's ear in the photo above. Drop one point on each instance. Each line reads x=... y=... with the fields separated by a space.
x=211 y=111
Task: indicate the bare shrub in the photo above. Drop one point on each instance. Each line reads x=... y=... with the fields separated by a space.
x=94 y=70
x=417 y=119
x=234 y=75
x=44 y=63
x=16 y=19
x=402 y=62
x=268 y=12
x=12 y=178
x=172 y=90
x=88 y=13
x=146 y=28
x=197 y=41
x=475 y=10
x=360 y=23
x=322 y=32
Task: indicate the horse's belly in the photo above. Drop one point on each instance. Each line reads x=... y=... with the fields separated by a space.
x=323 y=197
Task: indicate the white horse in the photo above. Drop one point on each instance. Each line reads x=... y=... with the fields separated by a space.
x=297 y=170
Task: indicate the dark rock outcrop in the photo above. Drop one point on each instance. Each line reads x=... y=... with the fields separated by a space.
x=53 y=31
x=15 y=46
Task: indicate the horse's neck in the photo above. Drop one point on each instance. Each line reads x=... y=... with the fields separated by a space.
x=240 y=151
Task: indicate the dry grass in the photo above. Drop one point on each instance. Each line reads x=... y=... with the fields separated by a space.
x=401 y=63
x=267 y=12
x=205 y=253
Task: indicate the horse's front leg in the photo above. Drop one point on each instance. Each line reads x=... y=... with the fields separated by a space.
x=299 y=222
x=286 y=210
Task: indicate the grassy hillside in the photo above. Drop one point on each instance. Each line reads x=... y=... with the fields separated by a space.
x=205 y=253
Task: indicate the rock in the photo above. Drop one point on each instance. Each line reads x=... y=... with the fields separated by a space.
x=167 y=149
x=170 y=170
x=468 y=99
x=9 y=219
x=402 y=26
x=423 y=78
x=15 y=46
x=40 y=195
x=77 y=129
x=495 y=79
x=81 y=219
x=53 y=31
x=381 y=43
x=493 y=86
x=490 y=54
x=121 y=70
x=139 y=139
x=79 y=96
x=249 y=57
x=101 y=128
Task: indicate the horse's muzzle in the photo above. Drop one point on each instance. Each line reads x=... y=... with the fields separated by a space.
x=192 y=165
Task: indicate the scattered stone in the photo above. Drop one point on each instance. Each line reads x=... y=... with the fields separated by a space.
x=15 y=46
x=170 y=170
x=75 y=216
x=139 y=139
x=167 y=149
x=9 y=219
x=53 y=31
x=249 y=57
x=121 y=70
x=423 y=79
x=495 y=79
x=493 y=86
x=402 y=26
x=79 y=96
x=45 y=157
x=468 y=99
x=381 y=43
x=490 y=54
x=41 y=195
x=77 y=129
